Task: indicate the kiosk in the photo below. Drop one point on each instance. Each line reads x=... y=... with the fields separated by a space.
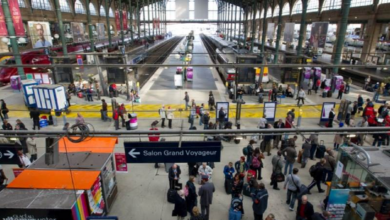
x=28 y=94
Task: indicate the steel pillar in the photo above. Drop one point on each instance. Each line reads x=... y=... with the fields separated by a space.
x=61 y=26
x=263 y=34
x=302 y=28
x=90 y=30
x=253 y=24
x=108 y=23
x=341 y=35
x=279 y=33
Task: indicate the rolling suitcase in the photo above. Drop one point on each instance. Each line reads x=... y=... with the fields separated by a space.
x=228 y=186
x=261 y=99
x=324 y=94
x=247 y=190
x=171 y=195
x=320 y=153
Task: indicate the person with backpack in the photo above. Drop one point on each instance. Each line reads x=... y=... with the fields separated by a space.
x=277 y=166
x=316 y=171
x=329 y=166
x=293 y=185
x=206 y=120
x=236 y=208
x=248 y=151
x=190 y=194
x=260 y=201
x=256 y=163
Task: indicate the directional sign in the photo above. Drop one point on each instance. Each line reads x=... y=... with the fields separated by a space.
x=168 y=152
x=8 y=154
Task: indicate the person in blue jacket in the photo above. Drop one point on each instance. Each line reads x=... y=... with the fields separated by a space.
x=260 y=201
x=228 y=170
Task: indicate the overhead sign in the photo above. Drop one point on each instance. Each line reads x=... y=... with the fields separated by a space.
x=225 y=106
x=269 y=111
x=169 y=152
x=8 y=154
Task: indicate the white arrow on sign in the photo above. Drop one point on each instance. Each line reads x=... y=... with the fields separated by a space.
x=9 y=154
x=132 y=153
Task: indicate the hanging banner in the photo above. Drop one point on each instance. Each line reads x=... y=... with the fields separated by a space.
x=117 y=21
x=120 y=163
x=270 y=30
x=16 y=18
x=124 y=20
x=225 y=106
x=78 y=31
x=337 y=202
x=3 y=27
x=40 y=34
x=318 y=34
x=289 y=32
x=100 y=30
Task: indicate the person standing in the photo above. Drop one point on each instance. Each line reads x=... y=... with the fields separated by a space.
x=211 y=101
x=68 y=97
x=306 y=147
x=318 y=84
x=341 y=91
x=115 y=116
x=24 y=162
x=4 y=110
x=257 y=163
x=34 y=114
x=187 y=100
x=123 y=114
x=329 y=166
x=277 y=166
x=206 y=120
x=205 y=170
x=180 y=209
x=290 y=154
x=192 y=116
x=206 y=192
x=201 y=114
x=191 y=197
x=305 y=209
x=89 y=95
x=278 y=125
x=170 y=116
x=301 y=96
x=378 y=92
x=314 y=143
x=349 y=113
x=349 y=83
x=221 y=117
x=104 y=111
x=260 y=201
x=360 y=103
x=32 y=148
x=174 y=176
x=292 y=184
x=317 y=173
x=309 y=87
x=163 y=116
x=228 y=171
x=241 y=166
x=248 y=152
x=331 y=116
x=274 y=93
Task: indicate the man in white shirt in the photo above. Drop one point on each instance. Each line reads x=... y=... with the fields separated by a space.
x=262 y=123
x=23 y=159
x=301 y=96
x=205 y=170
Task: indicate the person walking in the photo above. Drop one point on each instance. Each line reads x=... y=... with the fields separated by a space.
x=331 y=116
x=34 y=115
x=292 y=184
x=205 y=170
x=104 y=111
x=211 y=101
x=174 y=176
x=170 y=116
x=329 y=166
x=257 y=162
x=314 y=143
x=305 y=209
x=221 y=117
x=163 y=115
x=4 y=110
x=187 y=100
x=201 y=114
x=301 y=96
x=290 y=154
x=192 y=116
x=123 y=114
x=306 y=147
x=367 y=82
x=180 y=209
x=260 y=201
x=309 y=87
x=32 y=148
x=341 y=91
x=277 y=166
x=248 y=151
x=317 y=173
x=206 y=192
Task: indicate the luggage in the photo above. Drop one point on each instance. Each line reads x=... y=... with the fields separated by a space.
x=261 y=99
x=236 y=209
x=128 y=125
x=193 y=128
x=228 y=186
x=299 y=156
x=228 y=125
x=320 y=153
x=324 y=94
x=253 y=172
x=330 y=93
x=247 y=190
x=171 y=195
x=155 y=123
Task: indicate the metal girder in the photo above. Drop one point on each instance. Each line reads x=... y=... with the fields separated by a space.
x=100 y=2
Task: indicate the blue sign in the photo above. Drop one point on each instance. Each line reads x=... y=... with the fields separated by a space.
x=169 y=152
x=102 y=218
x=8 y=154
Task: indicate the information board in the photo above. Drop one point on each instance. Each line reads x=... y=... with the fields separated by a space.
x=337 y=202
x=326 y=108
x=225 y=106
x=269 y=111
x=120 y=163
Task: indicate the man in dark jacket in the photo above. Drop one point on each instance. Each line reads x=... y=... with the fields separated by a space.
x=306 y=147
x=277 y=166
x=332 y=114
x=305 y=209
x=321 y=216
x=290 y=154
x=206 y=196
x=221 y=118
x=277 y=125
x=34 y=114
x=317 y=176
x=174 y=176
x=260 y=201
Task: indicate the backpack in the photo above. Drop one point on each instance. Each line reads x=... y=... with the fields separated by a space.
x=313 y=170
x=255 y=162
x=245 y=151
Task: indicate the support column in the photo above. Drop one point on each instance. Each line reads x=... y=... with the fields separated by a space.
x=370 y=39
x=227 y=21
x=138 y=14
x=239 y=26
x=224 y=17
x=121 y=21
x=341 y=35
x=279 y=32
x=246 y=25
x=231 y=20
x=90 y=30
x=131 y=22
x=108 y=23
x=61 y=26
x=264 y=31
x=144 y=17
x=155 y=18
x=11 y=33
x=148 y=17
x=235 y=22
x=254 y=24
x=302 y=28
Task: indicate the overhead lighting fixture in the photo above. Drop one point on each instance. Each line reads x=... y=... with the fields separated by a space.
x=77 y=68
x=343 y=68
x=299 y=68
x=384 y=68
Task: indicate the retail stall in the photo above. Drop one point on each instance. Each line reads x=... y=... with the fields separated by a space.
x=360 y=186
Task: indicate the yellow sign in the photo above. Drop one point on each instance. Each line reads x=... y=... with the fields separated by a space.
x=309 y=60
x=265 y=73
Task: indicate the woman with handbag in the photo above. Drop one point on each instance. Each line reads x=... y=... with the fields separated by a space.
x=180 y=209
x=293 y=184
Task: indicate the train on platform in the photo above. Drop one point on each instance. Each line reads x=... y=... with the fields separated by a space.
x=40 y=57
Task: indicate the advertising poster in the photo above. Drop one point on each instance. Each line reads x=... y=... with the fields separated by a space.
x=120 y=163
x=40 y=34
x=269 y=111
x=117 y=20
x=289 y=32
x=3 y=27
x=100 y=30
x=326 y=108
x=17 y=171
x=225 y=106
x=270 y=30
x=318 y=34
x=337 y=201
x=339 y=169
x=16 y=17
x=95 y=198
x=78 y=31
x=124 y=20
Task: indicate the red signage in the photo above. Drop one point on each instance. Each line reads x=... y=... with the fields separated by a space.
x=79 y=59
x=117 y=21
x=124 y=20
x=17 y=171
x=120 y=163
x=3 y=27
x=16 y=17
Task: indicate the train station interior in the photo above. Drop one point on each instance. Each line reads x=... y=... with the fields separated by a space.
x=195 y=109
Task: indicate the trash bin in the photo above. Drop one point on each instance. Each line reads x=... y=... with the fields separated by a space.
x=133 y=121
x=43 y=123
